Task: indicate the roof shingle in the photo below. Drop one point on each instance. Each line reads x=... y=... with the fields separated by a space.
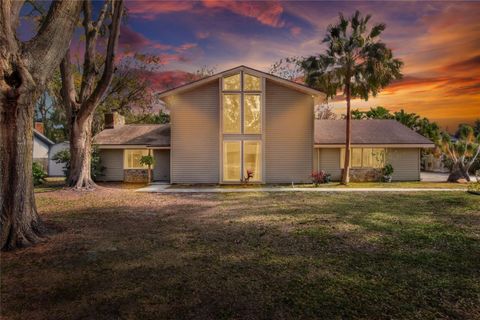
x=367 y=132
x=154 y=135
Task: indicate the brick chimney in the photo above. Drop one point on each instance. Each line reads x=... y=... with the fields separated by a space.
x=113 y=120
x=40 y=127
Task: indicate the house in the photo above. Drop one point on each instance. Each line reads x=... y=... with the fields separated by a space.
x=244 y=120
x=56 y=169
x=41 y=146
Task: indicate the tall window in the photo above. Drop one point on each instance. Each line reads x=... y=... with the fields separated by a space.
x=242 y=116
x=365 y=158
x=132 y=158
x=242 y=98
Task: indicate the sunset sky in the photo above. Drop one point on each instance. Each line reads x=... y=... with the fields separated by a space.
x=438 y=41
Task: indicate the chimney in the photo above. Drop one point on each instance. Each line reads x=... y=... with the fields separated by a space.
x=113 y=120
x=39 y=127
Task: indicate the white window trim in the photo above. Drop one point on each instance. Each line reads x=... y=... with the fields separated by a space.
x=241 y=160
x=242 y=136
x=125 y=159
x=342 y=157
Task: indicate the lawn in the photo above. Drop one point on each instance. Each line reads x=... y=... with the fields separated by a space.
x=117 y=254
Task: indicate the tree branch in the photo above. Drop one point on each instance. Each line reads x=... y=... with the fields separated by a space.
x=69 y=95
x=107 y=75
x=50 y=43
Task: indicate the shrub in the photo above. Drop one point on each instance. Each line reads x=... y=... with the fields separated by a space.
x=387 y=172
x=319 y=177
x=39 y=174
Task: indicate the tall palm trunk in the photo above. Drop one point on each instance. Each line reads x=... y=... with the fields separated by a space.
x=348 y=135
x=20 y=223
x=80 y=176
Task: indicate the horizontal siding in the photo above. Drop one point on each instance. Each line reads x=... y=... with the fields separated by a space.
x=195 y=135
x=161 y=169
x=112 y=160
x=288 y=135
x=329 y=160
x=56 y=169
x=405 y=162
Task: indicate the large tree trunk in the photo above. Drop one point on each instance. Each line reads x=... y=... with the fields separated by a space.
x=348 y=134
x=459 y=172
x=80 y=176
x=24 y=71
x=20 y=223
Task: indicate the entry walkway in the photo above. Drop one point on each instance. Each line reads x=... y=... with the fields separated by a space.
x=164 y=188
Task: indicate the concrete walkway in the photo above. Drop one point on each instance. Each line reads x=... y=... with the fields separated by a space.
x=164 y=188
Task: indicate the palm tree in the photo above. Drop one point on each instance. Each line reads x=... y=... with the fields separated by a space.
x=407 y=119
x=378 y=113
x=356 y=62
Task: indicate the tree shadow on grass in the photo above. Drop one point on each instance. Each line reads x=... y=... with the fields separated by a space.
x=257 y=256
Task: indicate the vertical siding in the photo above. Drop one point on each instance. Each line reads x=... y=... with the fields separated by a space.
x=195 y=135
x=329 y=160
x=161 y=169
x=112 y=160
x=288 y=135
x=405 y=162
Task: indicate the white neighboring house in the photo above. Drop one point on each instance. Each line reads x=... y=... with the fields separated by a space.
x=56 y=169
x=41 y=148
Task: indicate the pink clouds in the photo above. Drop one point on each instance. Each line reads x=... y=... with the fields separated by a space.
x=266 y=12
x=295 y=31
x=167 y=79
x=150 y=9
x=132 y=42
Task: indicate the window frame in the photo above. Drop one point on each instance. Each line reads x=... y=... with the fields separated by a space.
x=244 y=172
x=239 y=142
x=125 y=159
x=242 y=92
x=242 y=136
x=362 y=166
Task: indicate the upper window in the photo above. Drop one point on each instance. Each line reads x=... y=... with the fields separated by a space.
x=132 y=158
x=365 y=158
x=251 y=83
x=231 y=113
x=252 y=114
x=242 y=111
x=232 y=83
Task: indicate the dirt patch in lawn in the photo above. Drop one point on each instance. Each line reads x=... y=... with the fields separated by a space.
x=121 y=254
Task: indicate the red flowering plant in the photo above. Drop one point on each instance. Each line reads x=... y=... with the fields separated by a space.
x=249 y=176
x=319 y=177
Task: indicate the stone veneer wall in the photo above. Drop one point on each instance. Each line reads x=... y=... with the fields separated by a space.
x=365 y=175
x=135 y=175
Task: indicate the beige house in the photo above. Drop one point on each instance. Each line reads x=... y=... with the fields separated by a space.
x=243 y=121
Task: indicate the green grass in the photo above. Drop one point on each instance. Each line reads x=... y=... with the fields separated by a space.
x=121 y=254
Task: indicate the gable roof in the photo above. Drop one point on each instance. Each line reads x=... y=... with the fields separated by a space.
x=279 y=80
x=368 y=132
x=148 y=135
x=42 y=137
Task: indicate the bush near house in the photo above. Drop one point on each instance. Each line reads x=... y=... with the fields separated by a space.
x=319 y=177
x=39 y=174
